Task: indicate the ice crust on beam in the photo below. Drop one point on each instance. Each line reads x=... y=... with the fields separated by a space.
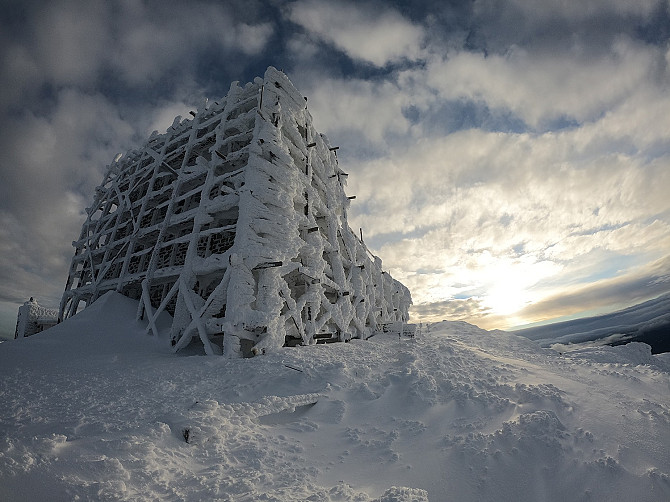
x=235 y=223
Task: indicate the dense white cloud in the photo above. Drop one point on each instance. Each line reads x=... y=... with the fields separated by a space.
x=539 y=89
x=302 y=48
x=369 y=33
x=371 y=110
x=150 y=43
x=164 y=116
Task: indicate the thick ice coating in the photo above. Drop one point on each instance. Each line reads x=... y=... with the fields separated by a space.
x=235 y=222
x=34 y=318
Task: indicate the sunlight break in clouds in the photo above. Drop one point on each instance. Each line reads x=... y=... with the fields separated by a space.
x=502 y=214
x=359 y=30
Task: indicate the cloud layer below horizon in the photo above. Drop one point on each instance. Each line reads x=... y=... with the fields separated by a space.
x=511 y=162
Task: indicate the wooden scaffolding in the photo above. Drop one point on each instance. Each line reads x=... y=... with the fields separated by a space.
x=235 y=223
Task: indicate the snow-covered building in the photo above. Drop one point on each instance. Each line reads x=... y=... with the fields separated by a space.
x=34 y=318
x=235 y=223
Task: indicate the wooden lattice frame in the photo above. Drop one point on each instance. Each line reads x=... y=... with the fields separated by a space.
x=234 y=222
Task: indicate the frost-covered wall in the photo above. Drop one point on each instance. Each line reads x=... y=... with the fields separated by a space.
x=235 y=222
x=33 y=318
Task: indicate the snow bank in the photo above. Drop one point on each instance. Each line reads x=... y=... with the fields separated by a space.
x=94 y=410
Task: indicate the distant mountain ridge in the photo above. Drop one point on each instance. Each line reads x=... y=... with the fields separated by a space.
x=647 y=322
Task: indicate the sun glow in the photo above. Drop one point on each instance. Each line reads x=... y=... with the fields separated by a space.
x=506 y=300
x=511 y=285
x=490 y=291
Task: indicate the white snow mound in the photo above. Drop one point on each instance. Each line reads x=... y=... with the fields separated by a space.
x=94 y=409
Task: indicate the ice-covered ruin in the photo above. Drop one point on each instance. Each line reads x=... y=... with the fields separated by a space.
x=33 y=318
x=235 y=223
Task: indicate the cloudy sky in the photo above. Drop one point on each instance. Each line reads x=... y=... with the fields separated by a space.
x=510 y=159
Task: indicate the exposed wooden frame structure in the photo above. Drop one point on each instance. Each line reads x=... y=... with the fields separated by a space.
x=235 y=223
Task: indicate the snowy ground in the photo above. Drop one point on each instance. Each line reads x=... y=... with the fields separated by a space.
x=95 y=410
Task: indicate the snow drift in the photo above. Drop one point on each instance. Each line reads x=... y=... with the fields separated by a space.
x=93 y=409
